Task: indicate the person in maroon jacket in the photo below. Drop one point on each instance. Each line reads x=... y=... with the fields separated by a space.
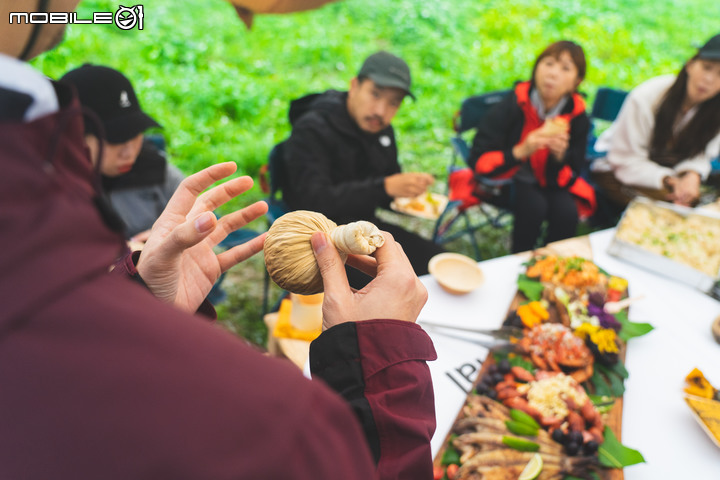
x=537 y=136
x=106 y=377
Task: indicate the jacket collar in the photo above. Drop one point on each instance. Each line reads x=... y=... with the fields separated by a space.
x=332 y=105
x=574 y=107
x=25 y=94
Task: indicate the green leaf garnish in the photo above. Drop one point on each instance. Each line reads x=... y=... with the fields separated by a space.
x=614 y=378
x=631 y=329
x=451 y=455
x=619 y=368
x=601 y=384
x=614 y=454
x=532 y=289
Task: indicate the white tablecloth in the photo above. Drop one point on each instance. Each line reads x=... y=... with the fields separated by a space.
x=656 y=420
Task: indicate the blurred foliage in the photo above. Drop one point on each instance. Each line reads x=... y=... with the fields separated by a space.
x=222 y=92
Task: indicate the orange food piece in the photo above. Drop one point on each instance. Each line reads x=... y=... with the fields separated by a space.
x=698 y=385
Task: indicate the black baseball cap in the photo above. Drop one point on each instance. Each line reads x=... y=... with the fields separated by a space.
x=387 y=70
x=110 y=95
x=711 y=50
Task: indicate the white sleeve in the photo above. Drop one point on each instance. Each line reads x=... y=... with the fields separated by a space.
x=629 y=149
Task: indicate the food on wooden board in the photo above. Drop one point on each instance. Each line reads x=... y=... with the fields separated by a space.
x=487 y=447
x=553 y=346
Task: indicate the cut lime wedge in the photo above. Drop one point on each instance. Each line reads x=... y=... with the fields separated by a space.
x=532 y=469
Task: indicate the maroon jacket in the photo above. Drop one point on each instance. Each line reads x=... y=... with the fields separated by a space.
x=101 y=380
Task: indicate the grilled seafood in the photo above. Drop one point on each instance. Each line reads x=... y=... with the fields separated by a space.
x=555 y=400
x=483 y=455
x=553 y=346
x=481 y=441
x=508 y=463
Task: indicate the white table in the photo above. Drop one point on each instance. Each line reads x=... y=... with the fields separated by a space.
x=656 y=420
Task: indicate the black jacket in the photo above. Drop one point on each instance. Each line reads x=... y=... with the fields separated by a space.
x=333 y=167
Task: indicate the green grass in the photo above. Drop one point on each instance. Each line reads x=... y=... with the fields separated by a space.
x=222 y=92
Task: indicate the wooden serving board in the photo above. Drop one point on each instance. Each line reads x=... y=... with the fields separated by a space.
x=612 y=419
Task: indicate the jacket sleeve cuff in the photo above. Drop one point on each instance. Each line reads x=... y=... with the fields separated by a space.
x=379 y=184
x=126 y=266
x=377 y=341
x=379 y=367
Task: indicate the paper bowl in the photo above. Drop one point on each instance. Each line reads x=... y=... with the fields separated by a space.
x=455 y=273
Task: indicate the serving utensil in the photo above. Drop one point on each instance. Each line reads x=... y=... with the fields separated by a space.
x=498 y=338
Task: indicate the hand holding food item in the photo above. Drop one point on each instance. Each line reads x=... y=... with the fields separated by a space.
x=555 y=126
x=289 y=256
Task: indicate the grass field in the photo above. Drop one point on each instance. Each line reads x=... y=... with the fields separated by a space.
x=222 y=92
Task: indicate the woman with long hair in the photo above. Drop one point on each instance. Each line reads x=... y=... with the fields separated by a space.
x=665 y=136
x=537 y=136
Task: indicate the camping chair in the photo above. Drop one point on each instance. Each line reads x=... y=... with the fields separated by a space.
x=471 y=112
x=606 y=107
x=270 y=182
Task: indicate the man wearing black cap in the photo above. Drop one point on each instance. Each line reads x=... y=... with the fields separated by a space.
x=136 y=176
x=341 y=157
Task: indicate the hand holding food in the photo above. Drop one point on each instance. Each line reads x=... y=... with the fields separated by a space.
x=553 y=134
x=394 y=279
x=686 y=189
x=407 y=184
x=555 y=126
x=558 y=145
x=289 y=257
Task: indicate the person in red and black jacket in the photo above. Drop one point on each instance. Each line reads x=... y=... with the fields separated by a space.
x=537 y=136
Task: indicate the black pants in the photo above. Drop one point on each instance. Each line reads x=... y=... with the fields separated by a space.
x=533 y=205
x=418 y=250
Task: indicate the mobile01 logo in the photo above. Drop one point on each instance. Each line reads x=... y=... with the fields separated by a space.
x=125 y=18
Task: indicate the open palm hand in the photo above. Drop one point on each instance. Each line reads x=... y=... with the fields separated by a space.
x=178 y=263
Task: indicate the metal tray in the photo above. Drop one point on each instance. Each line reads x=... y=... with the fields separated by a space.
x=660 y=264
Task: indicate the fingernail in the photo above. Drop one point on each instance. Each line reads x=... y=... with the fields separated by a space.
x=318 y=241
x=204 y=222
